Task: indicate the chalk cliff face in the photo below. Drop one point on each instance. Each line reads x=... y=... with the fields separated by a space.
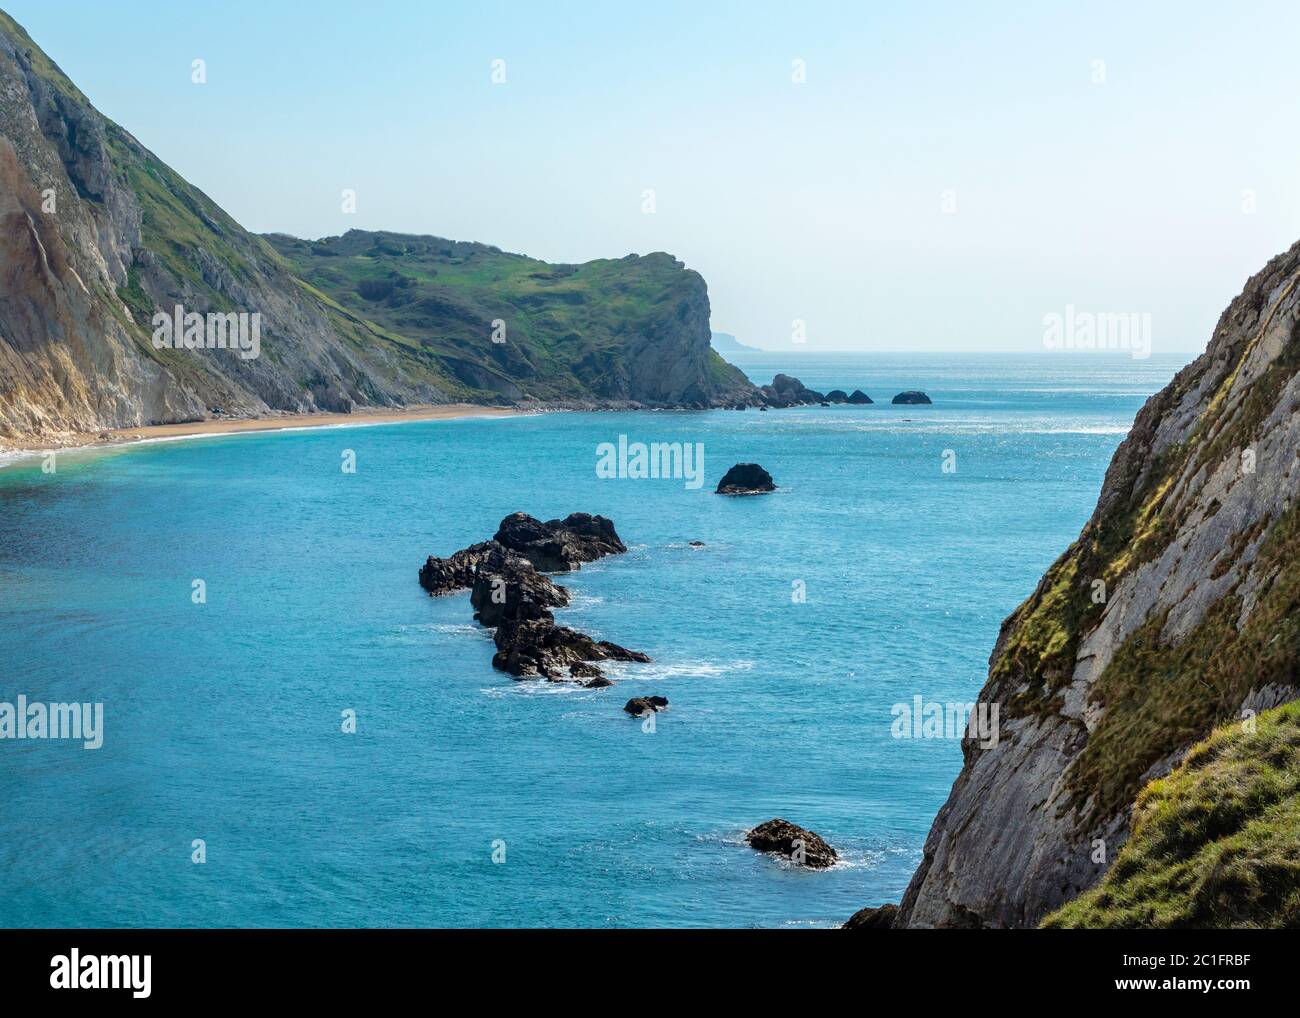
x=1177 y=609
x=99 y=235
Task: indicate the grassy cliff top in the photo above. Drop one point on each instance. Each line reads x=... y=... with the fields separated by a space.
x=1216 y=844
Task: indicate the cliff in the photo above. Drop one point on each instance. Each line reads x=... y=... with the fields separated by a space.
x=632 y=329
x=97 y=235
x=1174 y=612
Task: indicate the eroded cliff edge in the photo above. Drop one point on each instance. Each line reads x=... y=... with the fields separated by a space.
x=1174 y=611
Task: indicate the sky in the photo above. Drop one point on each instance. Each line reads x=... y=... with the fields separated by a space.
x=944 y=176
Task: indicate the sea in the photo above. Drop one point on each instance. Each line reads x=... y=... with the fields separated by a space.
x=295 y=735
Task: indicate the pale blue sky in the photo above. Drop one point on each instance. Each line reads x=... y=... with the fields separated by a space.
x=821 y=201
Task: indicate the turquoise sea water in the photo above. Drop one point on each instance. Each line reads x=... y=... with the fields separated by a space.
x=222 y=720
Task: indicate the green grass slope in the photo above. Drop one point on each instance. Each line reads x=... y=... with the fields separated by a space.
x=1216 y=844
x=517 y=326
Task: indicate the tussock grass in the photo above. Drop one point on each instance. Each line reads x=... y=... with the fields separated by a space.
x=1216 y=844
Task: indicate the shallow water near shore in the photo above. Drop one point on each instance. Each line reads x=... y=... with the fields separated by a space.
x=222 y=720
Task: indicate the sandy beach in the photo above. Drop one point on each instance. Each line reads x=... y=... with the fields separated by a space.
x=273 y=422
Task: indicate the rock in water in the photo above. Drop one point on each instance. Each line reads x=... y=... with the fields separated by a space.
x=639 y=706
x=508 y=593
x=786 y=392
x=881 y=918
x=912 y=397
x=456 y=572
x=506 y=586
x=860 y=397
x=837 y=396
x=800 y=846
x=538 y=647
x=745 y=479
x=559 y=546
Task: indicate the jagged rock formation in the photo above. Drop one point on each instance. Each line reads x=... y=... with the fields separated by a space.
x=801 y=846
x=1177 y=607
x=558 y=546
x=97 y=235
x=509 y=594
x=745 y=479
x=786 y=391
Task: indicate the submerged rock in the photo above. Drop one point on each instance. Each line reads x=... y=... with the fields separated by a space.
x=799 y=845
x=860 y=397
x=912 y=397
x=639 y=706
x=745 y=479
x=696 y=544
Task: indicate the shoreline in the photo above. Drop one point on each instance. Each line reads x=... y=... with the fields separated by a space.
x=120 y=437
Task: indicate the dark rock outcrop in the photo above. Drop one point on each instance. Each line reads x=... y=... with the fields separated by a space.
x=799 y=845
x=786 y=391
x=860 y=397
x=745 y=479
x=881 y=918
x=456 y=572
x=540 y=648
x=639 y=706
x=912 y=397
x=837 y=396
x=507 y=587
x=509 y=594
x=558 y=546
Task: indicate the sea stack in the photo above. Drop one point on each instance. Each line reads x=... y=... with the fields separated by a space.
x=858 y=396
x=746 y=479
x=913 y=397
